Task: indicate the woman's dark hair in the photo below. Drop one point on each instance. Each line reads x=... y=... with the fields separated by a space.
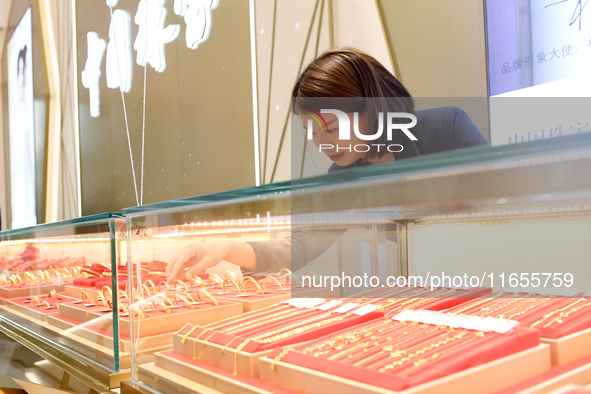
x=353 y=79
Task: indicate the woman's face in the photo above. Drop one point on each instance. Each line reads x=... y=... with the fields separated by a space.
x=326 y=137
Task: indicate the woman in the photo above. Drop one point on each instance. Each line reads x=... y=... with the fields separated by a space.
x=353 y=82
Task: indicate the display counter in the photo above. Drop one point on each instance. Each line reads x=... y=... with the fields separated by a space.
x=63 y=295
x=493 y=234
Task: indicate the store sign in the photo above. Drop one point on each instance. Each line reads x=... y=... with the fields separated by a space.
x=149 y=43
x=344 y=129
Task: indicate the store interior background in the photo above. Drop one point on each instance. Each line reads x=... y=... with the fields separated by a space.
x=436 y=48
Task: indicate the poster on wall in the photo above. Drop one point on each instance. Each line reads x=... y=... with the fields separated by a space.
x=21 y=125
x=539 y=57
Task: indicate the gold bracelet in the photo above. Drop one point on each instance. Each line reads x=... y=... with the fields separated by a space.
x=250 y=279
x=164 y=306
x=216 y=279
x=549 y=315
x=235 y=319
x=198 y=281
x=107 y=292
x=281 y=271
x=346 y=338
x=182 y=328
x=388 y=347
x=139 y=312
x=145 y=288
x=562 y=315
x=272 y=279
x=397 y=327
x=98 y=294
x=232 y=281
x=423 y=361
x=83 y=294
x=152 y=286
x=432 y=346
x=160 y=286
x=189 y=304
x=215 y=302
x=264 y=320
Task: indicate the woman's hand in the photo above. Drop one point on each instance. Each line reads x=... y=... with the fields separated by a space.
x=202 y=255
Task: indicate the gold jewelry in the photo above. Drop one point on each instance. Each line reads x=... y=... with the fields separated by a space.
x=283 y=270
x=184 y=299
x=147 y=291
x=432 y=346
x=53 y=294
x=250 y=279
x=549 y=315
x=216 y=279
x=107 y=292
x=164 y=306
x=84 y=294
x=36 y=299
x=182 y=328
x=98 y=294
x=389 y=347
x=140 y=313
x=423 y=361
x=235 y=319
x=233 y=281
x=272 y=279
x=279 y=357
x=562 y=315
x=160 y=286
x=152 y=286
x=47 y=304
x=215 y=302
x=198 y=281
x=472 y=306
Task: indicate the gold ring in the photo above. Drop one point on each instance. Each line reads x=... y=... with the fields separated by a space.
x=53 y=294
x=250 y=279
x=35 y=299
x=47 y=304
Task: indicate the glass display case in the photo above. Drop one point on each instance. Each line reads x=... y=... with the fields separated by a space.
x=62 y=295
x=496 y=235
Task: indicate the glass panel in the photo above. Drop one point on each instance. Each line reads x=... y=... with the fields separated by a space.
x=57 y=297
x=451 y=227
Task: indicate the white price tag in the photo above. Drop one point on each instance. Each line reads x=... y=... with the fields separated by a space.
x=330 y=305
x=346 y=308
x=458 y=321
x=304 y=302
x=364 y=310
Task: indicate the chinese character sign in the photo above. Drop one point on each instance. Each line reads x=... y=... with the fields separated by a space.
x=92 y=71
x=152 y=34
x=119 y=62
x=197 y=15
